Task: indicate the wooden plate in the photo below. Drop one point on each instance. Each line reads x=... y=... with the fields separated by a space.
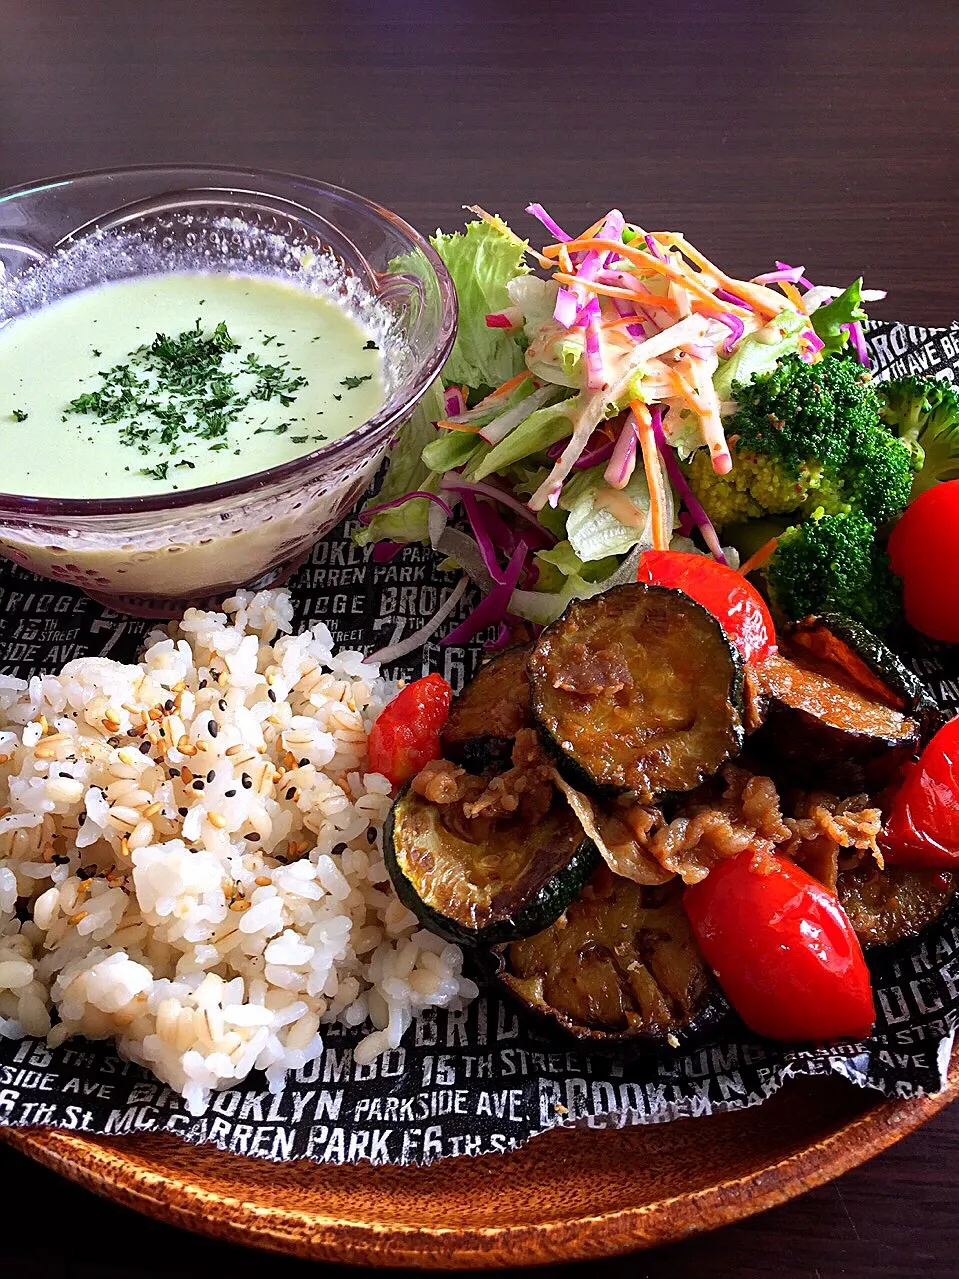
x=566 y=1196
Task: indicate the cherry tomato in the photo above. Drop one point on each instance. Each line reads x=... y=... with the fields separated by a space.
x=738 y=606
x=782 y=948
x=923 y=824
x=924 y=552
x=406 y=734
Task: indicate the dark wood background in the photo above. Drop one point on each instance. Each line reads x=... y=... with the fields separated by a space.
x=820 y=133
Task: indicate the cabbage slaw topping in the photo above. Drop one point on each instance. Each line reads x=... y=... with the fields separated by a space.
x=547 y=458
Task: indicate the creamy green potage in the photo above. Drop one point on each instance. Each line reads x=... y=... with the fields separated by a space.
x=175 y=381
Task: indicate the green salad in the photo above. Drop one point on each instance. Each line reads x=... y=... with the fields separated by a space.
x=617 y=392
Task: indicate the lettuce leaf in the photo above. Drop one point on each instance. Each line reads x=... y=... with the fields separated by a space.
x=829 y=319
x=406 y=471
x=595 y=533
x=538 y=432
x=560 y=565
x=759 y=352
x=481 y=261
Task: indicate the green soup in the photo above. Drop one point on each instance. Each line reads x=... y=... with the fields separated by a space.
x=175 y=381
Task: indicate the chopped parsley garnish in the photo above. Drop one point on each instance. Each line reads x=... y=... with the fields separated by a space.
x=351 y=383
x=157 y=472
x=96 y=354
x=19 y=416
x=369 y=346
x=179 y=390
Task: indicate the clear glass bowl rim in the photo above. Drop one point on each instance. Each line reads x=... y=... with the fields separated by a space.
x=18 y=506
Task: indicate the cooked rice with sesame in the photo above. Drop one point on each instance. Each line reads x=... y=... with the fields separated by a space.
x=191 y=855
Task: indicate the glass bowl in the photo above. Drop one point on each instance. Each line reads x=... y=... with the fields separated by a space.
x=153 y=555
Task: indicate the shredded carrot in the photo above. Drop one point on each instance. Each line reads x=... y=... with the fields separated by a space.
x=509 y=385
x=794 y=295
x=591 y=231
x=654 y=476
x=458 y=426
x=679 y=274
x=761 y=557
x=564 y=260
x=763 y=299
x=614 y=291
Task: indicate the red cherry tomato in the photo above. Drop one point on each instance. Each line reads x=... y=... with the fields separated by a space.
x=924 y=552
x=738 y=606
x=406 y=734
x=783 y=950
x=923 y=824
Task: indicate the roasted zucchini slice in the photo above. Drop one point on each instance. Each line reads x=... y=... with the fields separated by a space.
x=839 y=644
x=825 y=728
x=890 y=905
x=489 y=712
x=485 y=881
x=621 y=966
x=637 y=690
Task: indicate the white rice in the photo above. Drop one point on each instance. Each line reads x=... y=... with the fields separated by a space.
x=191 y=855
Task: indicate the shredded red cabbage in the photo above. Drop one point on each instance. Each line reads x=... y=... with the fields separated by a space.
x=454 y=483
x=385 y=551
x=736 y=329
x=453 y=401
x=725 y=296
x=794 y=275
x=366 y=516
x=814 y=340
x=497 y=320
x=596 y=377
x=800 y=279
x=566 y=308
x=484 y=540
x=598 y=449
x=494 y=607
x=654 y=248
x=685 y=493
x=539 y=213
x=858 y=341
x=622 y=462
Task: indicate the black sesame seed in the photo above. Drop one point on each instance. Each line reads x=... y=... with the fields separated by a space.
x=86 y=872
x=303 y=762
x=253 y=837
x=199 y=784
x=228 y=794
x=222 y=704
x=291 y=792
x=144 y=748
x=247 y=781
x=214 y=728
x=113 y=741
x=174 y=772
x=81 y=819
x=202 y=684
x=60 y=859
x=162 y=731
x=169 y=704
x=183 y=811
x=339 y=849
x=210 y=775
x=271 y=694
x=370 y=835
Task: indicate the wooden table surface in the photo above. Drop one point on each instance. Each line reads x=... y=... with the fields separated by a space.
x=822 y=133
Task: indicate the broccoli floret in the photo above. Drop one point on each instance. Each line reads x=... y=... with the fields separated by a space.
x=801 y=411
x=924 y=413
x=806 y=436
x=879 y=476
x=833 y=563
x=755 y=486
